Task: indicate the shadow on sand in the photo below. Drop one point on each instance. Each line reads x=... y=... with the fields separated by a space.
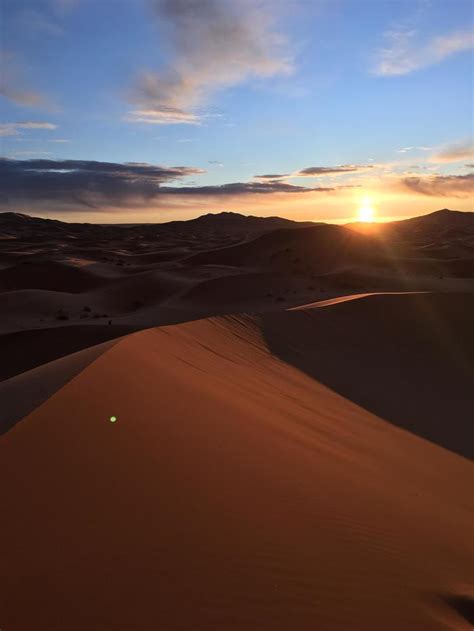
x=406 y=358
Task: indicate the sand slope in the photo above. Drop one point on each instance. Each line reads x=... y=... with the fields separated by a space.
x=45 y=345
x=234 y=492
x=26 y=391
x=408 y=358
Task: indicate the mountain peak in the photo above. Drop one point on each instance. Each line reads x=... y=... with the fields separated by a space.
x=14 y=217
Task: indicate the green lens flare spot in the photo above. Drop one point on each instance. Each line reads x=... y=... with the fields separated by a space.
x=113 y=419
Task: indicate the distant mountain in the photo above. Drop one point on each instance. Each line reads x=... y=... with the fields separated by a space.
x=442 y=225
x=234 y=222
x=223 y=221
x=21 y=222
x=13 y=217
x=437 y=222
x=22 y=219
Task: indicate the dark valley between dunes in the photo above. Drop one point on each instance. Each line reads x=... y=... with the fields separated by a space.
x=237 y=422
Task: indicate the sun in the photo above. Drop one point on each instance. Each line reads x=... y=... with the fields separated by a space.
x=366 y=213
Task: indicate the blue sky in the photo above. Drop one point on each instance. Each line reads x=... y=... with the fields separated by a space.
x=235 y=89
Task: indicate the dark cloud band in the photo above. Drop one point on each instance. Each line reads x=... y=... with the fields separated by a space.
x=441 y=185
x=337 y=170
x=74 y=184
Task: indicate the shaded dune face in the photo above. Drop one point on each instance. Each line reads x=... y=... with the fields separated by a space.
x=45 y=345
x=407 y=358
x=24 y=392
x=234 y=491
x=47 y=275
x=324 y=248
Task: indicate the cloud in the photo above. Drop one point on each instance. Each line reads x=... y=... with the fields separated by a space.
x=405 y=54
x=272 y=176
x=31 y=153
x=75 y=184
x=406 y=149
x=164 y=116
x=455 y=153
x=49 y=185
x=12 y=84
x=214 y=44
x=244 y=188
x=317 y=172
x=88 y=183
x=336 y=170
x=440 y=185
x=18 y=95
x=12 y=129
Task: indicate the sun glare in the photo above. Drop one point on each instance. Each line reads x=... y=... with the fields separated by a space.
x=366 y=213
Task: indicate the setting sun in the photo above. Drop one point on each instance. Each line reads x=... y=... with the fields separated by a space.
x=366 y=213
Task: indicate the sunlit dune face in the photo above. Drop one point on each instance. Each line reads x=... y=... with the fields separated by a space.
x=366 y=213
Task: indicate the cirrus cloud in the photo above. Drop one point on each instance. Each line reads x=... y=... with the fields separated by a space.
x=405 y=52
x=13 y=129
x=215 y=44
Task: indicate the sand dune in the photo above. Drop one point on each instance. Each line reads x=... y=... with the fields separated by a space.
x=45 y=345
x=318 y=249
x=254 y=291
x=408 y=358
x=48 y=275
x=26 y=391
x=233 y=492
x=404 y=247
x=300 y=468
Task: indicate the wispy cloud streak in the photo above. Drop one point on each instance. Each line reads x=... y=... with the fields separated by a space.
x=405 y=52
x=13 y=129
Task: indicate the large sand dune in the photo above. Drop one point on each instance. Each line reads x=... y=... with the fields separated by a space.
x=235 y=490
x=300 y=468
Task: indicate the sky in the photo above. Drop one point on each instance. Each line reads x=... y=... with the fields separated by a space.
x=154 y=110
